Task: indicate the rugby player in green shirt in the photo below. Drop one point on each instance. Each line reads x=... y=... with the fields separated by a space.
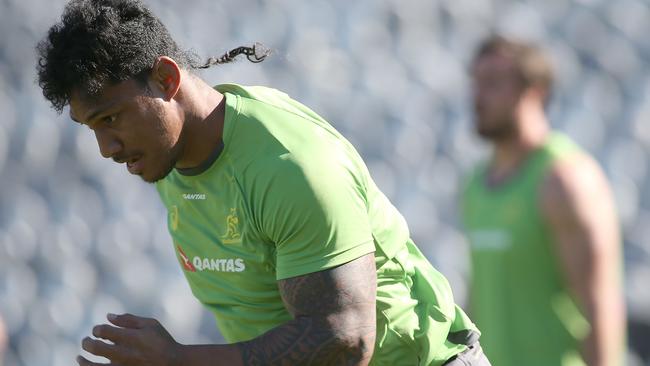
x=545 y=245
x=275 y=220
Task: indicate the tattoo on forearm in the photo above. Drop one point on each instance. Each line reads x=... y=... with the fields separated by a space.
x=334 y=319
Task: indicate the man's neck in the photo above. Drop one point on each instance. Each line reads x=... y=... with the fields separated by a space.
x=510 y=154
x=204 y=121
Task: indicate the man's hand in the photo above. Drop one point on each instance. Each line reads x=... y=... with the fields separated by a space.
x=135 y=341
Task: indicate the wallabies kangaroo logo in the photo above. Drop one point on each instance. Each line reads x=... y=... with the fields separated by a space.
x=232 y=235
x=173 y=218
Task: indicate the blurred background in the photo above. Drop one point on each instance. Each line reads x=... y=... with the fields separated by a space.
x=80 y=237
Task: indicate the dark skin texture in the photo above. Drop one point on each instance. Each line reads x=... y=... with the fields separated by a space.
x=334 y=319
x=334 y=324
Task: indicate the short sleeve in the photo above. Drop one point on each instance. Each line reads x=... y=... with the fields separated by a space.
x=314 y=212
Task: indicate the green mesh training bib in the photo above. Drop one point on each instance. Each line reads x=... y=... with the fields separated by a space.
x=518 y=297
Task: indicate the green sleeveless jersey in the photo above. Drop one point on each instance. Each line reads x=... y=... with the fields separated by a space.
x=288 y=196
x=518 y=296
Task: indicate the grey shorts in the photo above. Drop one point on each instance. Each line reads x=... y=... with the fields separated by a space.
x=472 y=356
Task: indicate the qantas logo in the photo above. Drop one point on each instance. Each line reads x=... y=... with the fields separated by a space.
x=194 y=196
x=186 y=262
x=219 y=264
x=210 y=264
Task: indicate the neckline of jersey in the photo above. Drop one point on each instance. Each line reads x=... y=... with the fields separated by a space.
x=231 y=113
x=520 y=174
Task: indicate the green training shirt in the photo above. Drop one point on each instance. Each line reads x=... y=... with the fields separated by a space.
x=288 y=196
x=518 y=296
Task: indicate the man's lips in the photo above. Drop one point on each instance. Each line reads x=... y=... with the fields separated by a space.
x=133 y=164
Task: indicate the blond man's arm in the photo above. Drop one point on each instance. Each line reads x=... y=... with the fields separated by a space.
x=577 y=204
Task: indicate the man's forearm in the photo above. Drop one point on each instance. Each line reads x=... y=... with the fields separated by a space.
x=605 y=344
x=333 y=323
x=303 y=340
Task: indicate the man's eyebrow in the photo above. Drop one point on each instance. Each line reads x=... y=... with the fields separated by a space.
x=96 y=112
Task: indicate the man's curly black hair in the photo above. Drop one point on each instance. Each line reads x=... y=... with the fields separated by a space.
x=104 y=42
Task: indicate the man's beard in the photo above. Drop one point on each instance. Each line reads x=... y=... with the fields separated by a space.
x=500 y=132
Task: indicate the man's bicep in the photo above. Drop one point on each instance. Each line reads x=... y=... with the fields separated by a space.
x=334 y=319
x=578 y=206
x=335 y=294
x=337 y=307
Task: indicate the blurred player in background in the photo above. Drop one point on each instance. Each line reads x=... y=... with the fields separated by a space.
x=275 y=220
x=546 y=285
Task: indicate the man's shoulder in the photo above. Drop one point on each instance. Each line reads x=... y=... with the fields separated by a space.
x=561 y=161
x=253 y=92
x=577 y=167
x=570 y=180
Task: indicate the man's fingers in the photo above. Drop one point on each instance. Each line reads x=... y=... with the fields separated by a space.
x=84 y=362
x=129 y=321
x=114 y=334
x=100 y=348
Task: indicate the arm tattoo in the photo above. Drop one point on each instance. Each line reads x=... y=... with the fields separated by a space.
x=334 y=319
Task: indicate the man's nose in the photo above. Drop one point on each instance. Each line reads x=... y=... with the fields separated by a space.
x=109 y=144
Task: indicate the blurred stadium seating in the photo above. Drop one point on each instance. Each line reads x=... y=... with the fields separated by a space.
x=80 y=237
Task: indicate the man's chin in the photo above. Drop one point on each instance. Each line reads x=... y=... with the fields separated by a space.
x=494 y=134
x=157 y=177
x=150 y=180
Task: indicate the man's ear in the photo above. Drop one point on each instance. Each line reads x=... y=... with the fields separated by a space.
x=166 y=77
